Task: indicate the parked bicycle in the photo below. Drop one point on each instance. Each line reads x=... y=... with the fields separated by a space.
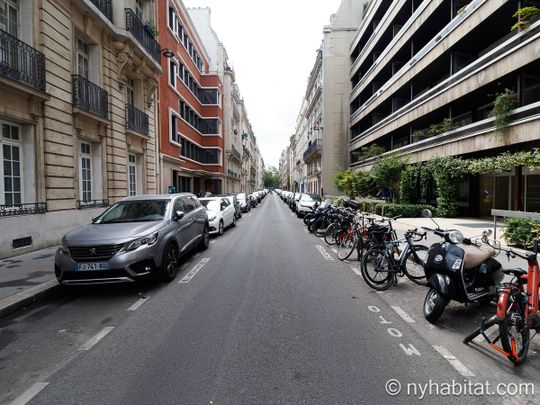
x=382 y=266
x=517 y=309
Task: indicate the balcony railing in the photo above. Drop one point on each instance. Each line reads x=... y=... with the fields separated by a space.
x=90 y=97
x=136 y=120
x=235 y=153
x=247 y=153
x=142 y=34
x=92 y=204
x=313 y=148
x=232 y=173
x=23 y=209
x=20 y=62
x=105 y=6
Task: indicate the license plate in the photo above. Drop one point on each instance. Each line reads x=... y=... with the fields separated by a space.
x=92 y=266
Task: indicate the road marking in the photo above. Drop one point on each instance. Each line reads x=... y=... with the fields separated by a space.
x=402 y=314
x=334 y=250
x=458 y=365
x=30 y=393
x=356 y=271
x=96 y=338
x=489 y=332
x=137 y=304
x=187 y=278
x=324 y=253
x=212 y=242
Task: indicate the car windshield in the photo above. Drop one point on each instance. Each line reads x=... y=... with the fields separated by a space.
x=310 y=197
x=211 y=205
x=134 y=211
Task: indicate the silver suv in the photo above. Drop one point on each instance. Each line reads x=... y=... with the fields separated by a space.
x=136 y=237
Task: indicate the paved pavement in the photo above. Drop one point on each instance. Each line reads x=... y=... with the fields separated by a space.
x=29 y=277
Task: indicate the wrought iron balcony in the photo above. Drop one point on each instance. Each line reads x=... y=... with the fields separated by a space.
x=136 y=120
x=105 y=6
x=142 y=34
x=312 y=150
x=20 y=62
x=247 y=153
x=23 y=209
x=90 y=97
x=233 y=152
x=232 y=173
x=92 y=204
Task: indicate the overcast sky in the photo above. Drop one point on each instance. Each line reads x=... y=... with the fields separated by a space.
x=271 y=45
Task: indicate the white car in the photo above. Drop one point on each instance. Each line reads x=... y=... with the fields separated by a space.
x=221 y=213
x=306 y=203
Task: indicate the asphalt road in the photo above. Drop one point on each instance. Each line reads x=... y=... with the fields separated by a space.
x=267 y=315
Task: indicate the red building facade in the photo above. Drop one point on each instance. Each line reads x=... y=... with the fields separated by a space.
x=191 y=108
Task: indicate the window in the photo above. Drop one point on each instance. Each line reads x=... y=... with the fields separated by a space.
x=179 y=205
x=139 y=9
x=85 y=165
x=11 y=166
x=9 y=16
x=172 y=18
x=82 y=58
x=130 y=88
x=174 y=129
x=172 y=73
x=194 y=152
x=132 y=174
x=206 y=126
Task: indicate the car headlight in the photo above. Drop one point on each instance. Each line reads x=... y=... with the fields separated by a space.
x=145 y=240
x=212 y=218
x=64 y=248
x=455 y=237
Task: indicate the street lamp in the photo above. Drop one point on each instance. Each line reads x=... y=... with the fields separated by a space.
x=167 y=53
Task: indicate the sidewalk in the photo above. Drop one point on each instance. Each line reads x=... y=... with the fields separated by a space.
x=26 y=278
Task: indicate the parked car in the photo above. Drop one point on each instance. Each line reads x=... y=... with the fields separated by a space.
x=136 y=237
x=252 y=200
x=294 y=201
x=243 y=199
x=306 y=203
x=221 y=213
x=236 y=204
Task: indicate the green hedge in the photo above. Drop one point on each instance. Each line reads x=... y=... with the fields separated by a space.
x=393 y=210
x=521 y=232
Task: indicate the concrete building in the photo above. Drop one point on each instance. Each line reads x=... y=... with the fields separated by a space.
x=417 y=65
x=236 y=126
x=284 y=172
x=191 y=108
x=319 y=149
x=77 y=111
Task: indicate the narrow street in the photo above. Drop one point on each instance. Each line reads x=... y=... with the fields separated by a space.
x=265 y=315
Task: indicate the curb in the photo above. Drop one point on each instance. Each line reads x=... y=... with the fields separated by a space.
x=22 y=299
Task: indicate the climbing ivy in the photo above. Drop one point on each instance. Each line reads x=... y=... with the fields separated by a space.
x=502 y=109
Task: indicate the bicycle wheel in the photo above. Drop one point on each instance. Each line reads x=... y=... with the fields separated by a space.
x=414 y=269
x=346 y=243
x=330 y=234
x=376 y=270
x=321 y=228
x=514 y=333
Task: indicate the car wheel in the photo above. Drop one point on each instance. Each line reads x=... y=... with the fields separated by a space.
x=205 y=241
x=233 y=222
x=169 y=263
x=220 y=231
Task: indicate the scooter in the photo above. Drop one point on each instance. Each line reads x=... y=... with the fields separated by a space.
x=456 y=269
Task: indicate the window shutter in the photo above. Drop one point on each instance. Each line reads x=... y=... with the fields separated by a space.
x=93 y=68
x=26 y=19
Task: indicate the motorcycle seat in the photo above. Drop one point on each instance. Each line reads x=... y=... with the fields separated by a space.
x=475 y=256
x=516 y=272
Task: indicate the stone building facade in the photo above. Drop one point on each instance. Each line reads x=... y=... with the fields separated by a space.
x=77 y=112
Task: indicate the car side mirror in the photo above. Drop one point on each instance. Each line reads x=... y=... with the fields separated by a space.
x=178 y=215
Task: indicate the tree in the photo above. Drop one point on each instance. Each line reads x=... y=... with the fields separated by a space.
x=271 y=180
x=387 y=172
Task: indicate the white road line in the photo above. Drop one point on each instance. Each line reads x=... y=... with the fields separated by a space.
x=489 y=332
x=324 y=253
x=96 y=338
x=30 y=393
x=402 y=314
x=137 y=304
x=187 y=278
x=458 y=365
x=356 y=270
x=335 y=251
x=212 y=242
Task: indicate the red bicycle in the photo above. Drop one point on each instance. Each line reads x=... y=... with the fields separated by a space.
x=517 y=310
